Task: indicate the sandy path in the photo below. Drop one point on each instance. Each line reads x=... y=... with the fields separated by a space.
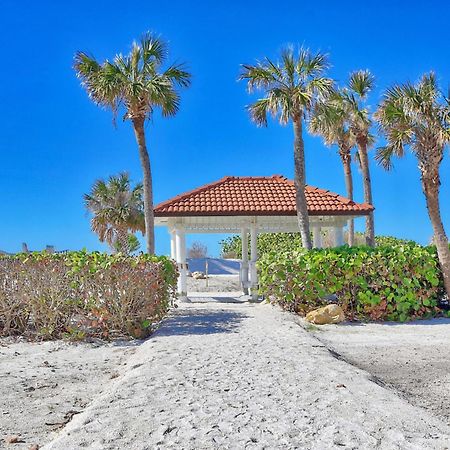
x=215 y=283
x=412 y=357
x=43 y=384
x=235 y=376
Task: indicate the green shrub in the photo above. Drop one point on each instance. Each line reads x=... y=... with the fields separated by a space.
x=267 y=242
x=286 y=242
x=384 y=283
x=390 y=241
x=81 y=294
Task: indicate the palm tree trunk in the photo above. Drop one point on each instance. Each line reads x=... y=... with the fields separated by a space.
x=347 y=163
x=138 y=124
x=430 y=186
x=300 y=183
x=121 y=242
x=364 y=159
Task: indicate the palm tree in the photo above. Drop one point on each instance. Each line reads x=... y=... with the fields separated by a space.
x=116 y=210
x=136 y=84
x=353 y=100
x=128 y=245
x=417 y=116
x=329 y=121
x=291 y=86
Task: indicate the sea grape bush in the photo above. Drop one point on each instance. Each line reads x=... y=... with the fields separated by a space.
x=284 y=242
x=80 y=294
x=389 y=241
x=231 y=247
x=396 y=282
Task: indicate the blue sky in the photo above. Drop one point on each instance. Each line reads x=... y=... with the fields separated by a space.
x=54 y=142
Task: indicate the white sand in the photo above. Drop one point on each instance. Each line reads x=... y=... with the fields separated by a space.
x=235 y=376
x=44 y=384
x=411 y=357
x=214 y=283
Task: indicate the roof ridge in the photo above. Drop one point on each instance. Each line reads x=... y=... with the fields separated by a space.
x=259 y=177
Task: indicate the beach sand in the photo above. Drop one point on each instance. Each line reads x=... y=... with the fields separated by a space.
x=229 y=375
x=410 y=357
x=223 y=375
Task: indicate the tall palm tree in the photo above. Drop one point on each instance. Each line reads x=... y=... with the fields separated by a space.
x=353 y=99
x=137 y=84
x=417 y=116
x=116 y=209
x=330 y=122
x=291 y=86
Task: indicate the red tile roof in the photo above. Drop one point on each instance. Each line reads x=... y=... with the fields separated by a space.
x=256 y=196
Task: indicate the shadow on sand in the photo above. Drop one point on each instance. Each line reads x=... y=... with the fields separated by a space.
x=200 y=321
x=216 y=299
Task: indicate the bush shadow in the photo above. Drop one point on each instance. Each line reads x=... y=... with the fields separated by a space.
x=200 y=322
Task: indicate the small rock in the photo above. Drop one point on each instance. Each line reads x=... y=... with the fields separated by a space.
x=12 y=439
x=327 y=314
x=34 y=447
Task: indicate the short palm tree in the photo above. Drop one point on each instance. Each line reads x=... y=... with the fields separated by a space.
x=137 y=84
x=417 y=116
x=353 y=100
x=127 y=245
x=117 y=210
x=328 y=120
x=291 y=86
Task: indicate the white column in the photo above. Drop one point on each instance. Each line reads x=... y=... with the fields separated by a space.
x=244 y=260
x=317 y=236
x=180 y=250
x=253 y=261
x=173 y=252
x=338 y=234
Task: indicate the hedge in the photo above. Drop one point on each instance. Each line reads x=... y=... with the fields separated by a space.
x=231 y=247
x=81 y=294
x=398 y=282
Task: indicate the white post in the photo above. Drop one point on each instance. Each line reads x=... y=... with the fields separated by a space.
x=254 y=259
x=173 y=252
x=244 y=260
x=338 y=234
x=180 y=250
x=317 y=236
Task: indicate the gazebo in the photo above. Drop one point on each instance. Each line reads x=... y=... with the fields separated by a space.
x=251 y=205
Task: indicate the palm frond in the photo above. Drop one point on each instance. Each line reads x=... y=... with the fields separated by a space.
x=315 y=65
x=361 y=82
x=153 y=48
x=414 y=116
x=288 y=63
x=178 y=75
x=291 y=85
x=258 y=76
x=134 y=81
x=258 y=111
x=384 y=156
x=323 y=87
